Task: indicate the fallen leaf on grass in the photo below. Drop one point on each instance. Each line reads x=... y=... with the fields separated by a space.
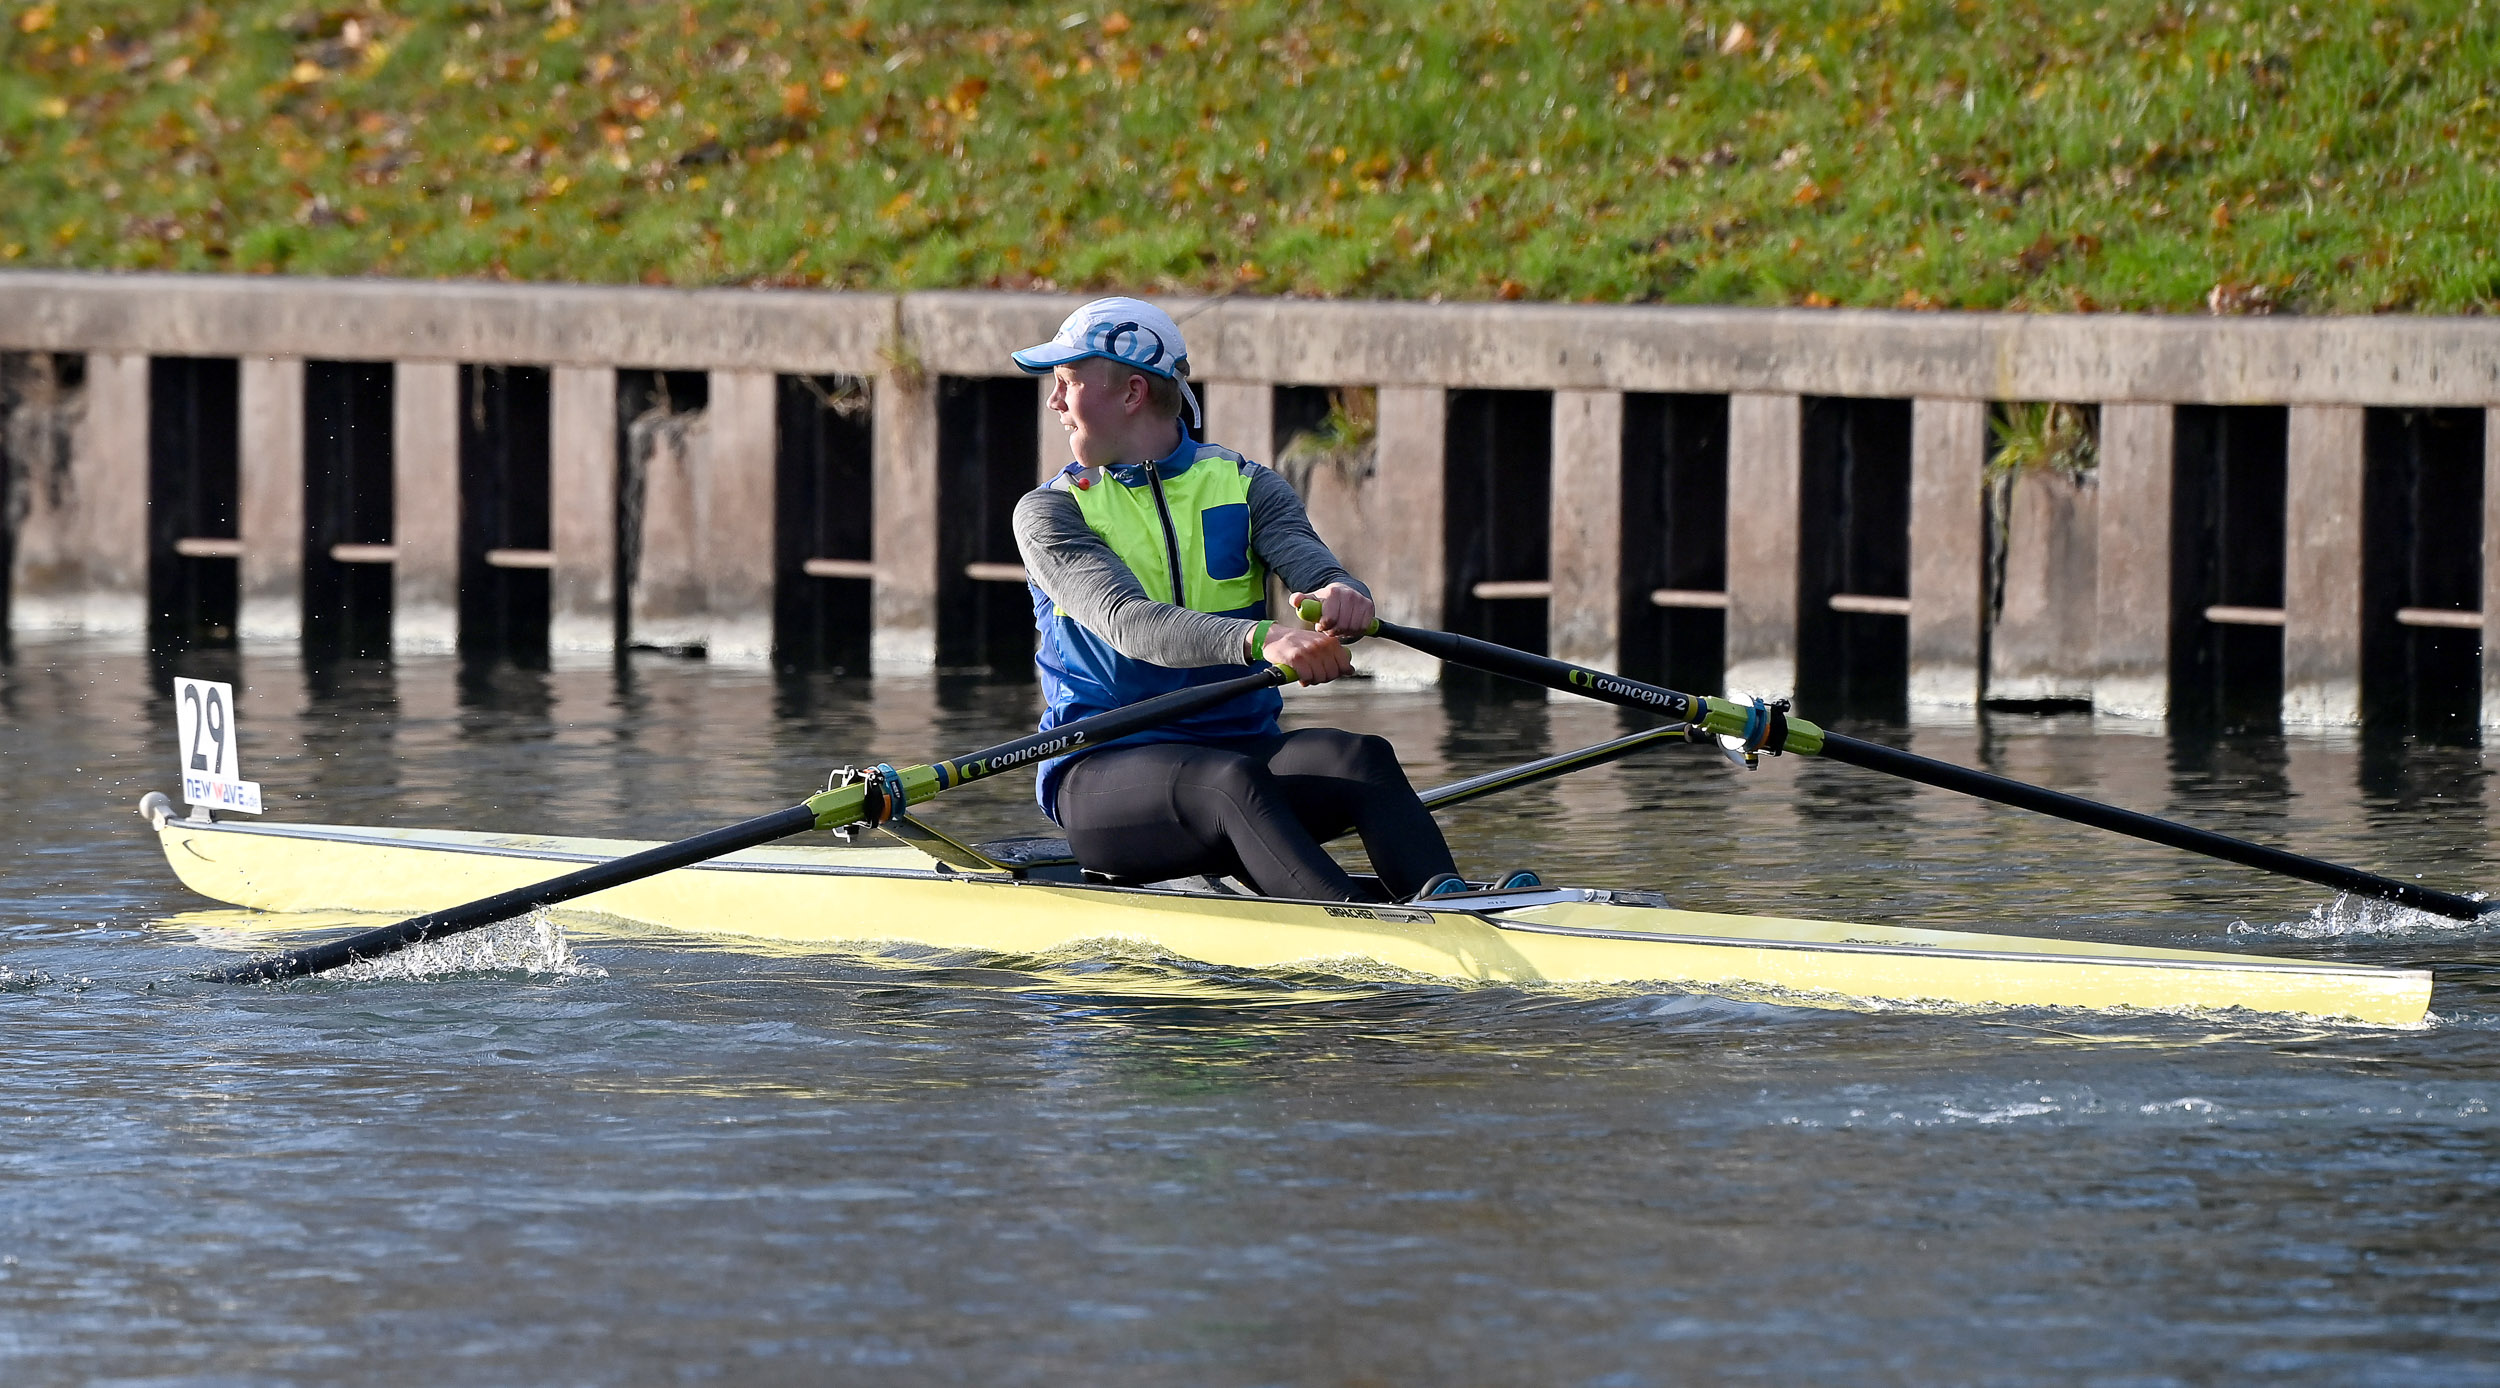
x=2240 y=297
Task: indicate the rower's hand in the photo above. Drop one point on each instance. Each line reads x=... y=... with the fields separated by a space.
x=1343 y=612
x=1314 y=656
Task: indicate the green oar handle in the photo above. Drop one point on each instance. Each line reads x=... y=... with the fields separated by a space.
x=830 y=809
x=1729 y=717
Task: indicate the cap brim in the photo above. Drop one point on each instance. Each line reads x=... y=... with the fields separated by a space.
x=1040 y=360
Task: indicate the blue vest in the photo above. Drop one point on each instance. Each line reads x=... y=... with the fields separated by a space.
x=1182 y=525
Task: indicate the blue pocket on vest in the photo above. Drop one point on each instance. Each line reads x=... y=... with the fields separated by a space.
x=1227 y=532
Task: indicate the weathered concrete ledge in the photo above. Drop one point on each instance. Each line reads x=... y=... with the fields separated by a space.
x=2127 y=358
x=408 y=320
x=2085 y=602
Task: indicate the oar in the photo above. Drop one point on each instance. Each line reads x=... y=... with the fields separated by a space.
x=1776 y=732
x=884 y=794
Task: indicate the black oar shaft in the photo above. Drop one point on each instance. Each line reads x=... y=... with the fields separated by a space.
x=1088 y=732
x=1928 y=771
x=373 y=944
x=1108 y=726
x=1630 y=693
x=1538 y=669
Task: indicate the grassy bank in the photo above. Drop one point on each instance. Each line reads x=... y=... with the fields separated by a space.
x=2315 y=158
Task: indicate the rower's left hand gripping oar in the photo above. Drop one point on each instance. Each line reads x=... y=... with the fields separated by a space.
x=884 y=793
x=1757 y=727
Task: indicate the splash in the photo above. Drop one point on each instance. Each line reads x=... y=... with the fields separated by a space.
x=2194 y=1104
x=2350 y=917
x=532 y=944
x=2002 y=1113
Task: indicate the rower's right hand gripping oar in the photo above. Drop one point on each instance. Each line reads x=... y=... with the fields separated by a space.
x=874 y=799
x=1758 y=728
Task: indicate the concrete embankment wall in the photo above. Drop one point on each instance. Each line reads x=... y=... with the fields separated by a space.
x=2286 y=513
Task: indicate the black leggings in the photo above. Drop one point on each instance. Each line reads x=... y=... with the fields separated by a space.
x=1257 y=809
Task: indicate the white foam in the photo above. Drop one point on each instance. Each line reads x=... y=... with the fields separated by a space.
x=531 y=944
x=2190 y=1104
x=2351 y=917
x=2005 y=1113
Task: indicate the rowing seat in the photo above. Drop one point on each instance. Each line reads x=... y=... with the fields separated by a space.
x=1045 y=859
x=1048 y=860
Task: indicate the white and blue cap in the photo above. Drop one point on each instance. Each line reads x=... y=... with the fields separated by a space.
x=1131 y=332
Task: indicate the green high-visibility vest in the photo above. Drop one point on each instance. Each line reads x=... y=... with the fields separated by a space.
x=1185 y=536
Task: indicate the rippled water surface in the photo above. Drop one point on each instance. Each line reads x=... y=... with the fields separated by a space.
x=641 y=1158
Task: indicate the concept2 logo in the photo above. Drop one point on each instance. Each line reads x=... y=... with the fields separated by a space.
x=1665 y=699
x=1129 y=342
x=974 y=769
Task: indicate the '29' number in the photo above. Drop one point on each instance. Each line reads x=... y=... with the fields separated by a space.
x=206 y=715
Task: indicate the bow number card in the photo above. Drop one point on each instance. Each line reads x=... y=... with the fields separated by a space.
x=212 y=767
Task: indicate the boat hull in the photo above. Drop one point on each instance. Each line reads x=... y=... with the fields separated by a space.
x=826 y=896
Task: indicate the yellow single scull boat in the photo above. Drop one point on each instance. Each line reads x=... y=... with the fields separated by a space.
x=829 y=896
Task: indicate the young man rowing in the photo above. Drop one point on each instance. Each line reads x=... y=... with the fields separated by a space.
x=1149 y=556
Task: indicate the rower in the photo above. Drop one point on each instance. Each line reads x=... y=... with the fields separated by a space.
x=1148 y=556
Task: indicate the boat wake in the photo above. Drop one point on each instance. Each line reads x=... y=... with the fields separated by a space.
x=534 y=944
x=2351 y=917
x=1133 y=975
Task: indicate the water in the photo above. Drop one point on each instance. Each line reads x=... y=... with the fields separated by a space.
x=610 y=1158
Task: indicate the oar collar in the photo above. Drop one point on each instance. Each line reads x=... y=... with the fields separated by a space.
x=881 y=797
x=1766 y=726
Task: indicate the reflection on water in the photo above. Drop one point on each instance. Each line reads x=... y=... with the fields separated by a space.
x=594 y=1155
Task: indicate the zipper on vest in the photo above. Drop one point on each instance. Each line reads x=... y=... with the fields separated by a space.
x=1171 y=537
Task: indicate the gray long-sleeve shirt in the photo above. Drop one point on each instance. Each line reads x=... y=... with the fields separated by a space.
x=1080 y=573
